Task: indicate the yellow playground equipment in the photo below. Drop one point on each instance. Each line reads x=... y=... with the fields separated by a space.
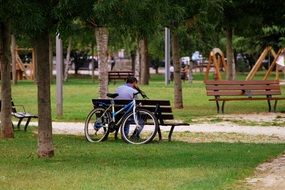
x=277 y=63
x=25 y=70
x=218 y=62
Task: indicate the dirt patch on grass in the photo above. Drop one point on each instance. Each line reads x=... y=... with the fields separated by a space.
x=225 y=137
x=270 y=175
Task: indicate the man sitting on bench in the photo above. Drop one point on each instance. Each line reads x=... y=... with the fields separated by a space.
x=128 y=90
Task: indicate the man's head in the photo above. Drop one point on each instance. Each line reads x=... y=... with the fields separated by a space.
x=132 y=81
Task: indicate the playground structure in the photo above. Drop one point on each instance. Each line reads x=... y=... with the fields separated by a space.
x=218 y=62
x=25 y=70
x=277 y=63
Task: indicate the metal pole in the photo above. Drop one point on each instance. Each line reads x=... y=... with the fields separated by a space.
x=167 y=55
x=59 y=76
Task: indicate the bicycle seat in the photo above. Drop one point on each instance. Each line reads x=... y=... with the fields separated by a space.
x=112 y=95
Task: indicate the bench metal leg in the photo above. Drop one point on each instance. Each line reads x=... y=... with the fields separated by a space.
x=116 y=134
x=223 y=106
x=275 y=105
x=27 y=123
x=218 y=106
x=159 y=133
x=269 y=105
x=170 y=132
x=19 y=122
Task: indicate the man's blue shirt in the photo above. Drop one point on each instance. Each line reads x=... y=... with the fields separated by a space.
x=126 y=92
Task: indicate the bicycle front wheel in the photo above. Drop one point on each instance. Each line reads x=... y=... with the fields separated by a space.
x=139 y=128
x=96 y=125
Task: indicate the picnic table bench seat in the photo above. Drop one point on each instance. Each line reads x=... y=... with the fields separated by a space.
x=160 y=108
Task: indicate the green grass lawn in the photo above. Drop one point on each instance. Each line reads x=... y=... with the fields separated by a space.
x=78 y=92
x=117 y=165
x=78 y=164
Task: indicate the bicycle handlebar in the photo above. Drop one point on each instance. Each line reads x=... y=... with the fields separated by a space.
x=142 y=93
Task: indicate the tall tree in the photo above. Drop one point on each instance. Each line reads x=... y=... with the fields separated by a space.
x=101 y=15
x=45 y=144
x=179 y=13
x=6 y=129
x=6 y=15
x=44 y=23
x=238 y=18
x=38 y=20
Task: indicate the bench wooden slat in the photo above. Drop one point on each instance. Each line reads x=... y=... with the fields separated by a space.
x=123 y=102
x=240 y=82
x=241 y=93
x=243 y=87
x=114 y=75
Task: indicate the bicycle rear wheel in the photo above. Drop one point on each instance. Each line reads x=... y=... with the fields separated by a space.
x=142 y=133
x=96 y=125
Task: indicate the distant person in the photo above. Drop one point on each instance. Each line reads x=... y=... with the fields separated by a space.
x=183 y=73
x=171 y=70
x=196 y=57
x=113 y=62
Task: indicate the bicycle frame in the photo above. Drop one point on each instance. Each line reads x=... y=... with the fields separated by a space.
x=127 y=108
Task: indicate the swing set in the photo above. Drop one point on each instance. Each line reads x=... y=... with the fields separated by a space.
x=25 y=70
x=218 y=62
x=277 y=63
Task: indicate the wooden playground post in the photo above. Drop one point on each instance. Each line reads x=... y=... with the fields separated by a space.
x=258 y=63
x=217 y=62
x=280 y=51
x=22 y=67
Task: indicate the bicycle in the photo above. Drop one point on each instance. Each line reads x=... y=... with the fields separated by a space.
x=137 y=125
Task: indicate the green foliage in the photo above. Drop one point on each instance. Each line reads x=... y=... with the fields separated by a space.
x=117 y=165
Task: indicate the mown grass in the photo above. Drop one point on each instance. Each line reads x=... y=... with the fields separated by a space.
x=117 y=165
x=78 y=92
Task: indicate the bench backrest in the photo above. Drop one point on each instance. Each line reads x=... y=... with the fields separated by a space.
x=161 y=108
x=120 y=74
x=242 y=88
x=13 y=106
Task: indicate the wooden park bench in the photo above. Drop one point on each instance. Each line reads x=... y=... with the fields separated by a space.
x=119 y=75
x=20 y=115
x=160 y=108
x=250 y=90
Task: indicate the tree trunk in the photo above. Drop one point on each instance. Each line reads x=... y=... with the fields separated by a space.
x=13 y=59
x=102 y=49
x=45 y=144
x=50 y=57
x=137 y=65
x=144 y=61
x=6 y=130
x=178 y=101
x=67 y=59
x=92 y=63
x=133 y=60
x=230 y=61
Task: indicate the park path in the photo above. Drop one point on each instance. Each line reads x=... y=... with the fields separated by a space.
x=77 y=128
